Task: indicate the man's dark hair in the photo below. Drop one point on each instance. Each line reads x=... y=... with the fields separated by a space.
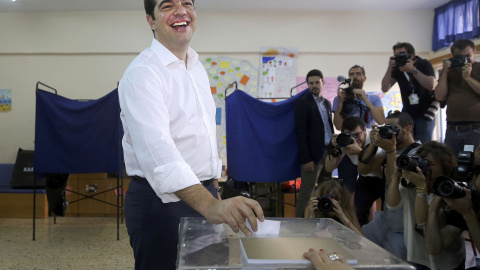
x=358 y=66
x=462 y=44
x=352 y=122
x=404 y=119
x=150 y=7
x=314 y=72
x=406 y=45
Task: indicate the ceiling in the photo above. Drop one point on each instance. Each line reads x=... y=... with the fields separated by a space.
x=255 y=5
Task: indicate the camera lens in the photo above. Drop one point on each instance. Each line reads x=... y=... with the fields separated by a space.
x=445 y=188
x=325 y=204
x=448 y=188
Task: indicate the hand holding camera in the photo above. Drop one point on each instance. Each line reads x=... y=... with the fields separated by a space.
x=403 y=61
x=463 y=205
x=466 y=70
x=383 y=137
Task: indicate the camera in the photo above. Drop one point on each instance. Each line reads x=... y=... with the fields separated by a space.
x=465 y=161
x=325 y=205
x=448 y=188
x=344 y=139
x=386 y=131
x=350 y=101
x=402 y=58
x=457 y=60
x=334 y=151
x=411 y=162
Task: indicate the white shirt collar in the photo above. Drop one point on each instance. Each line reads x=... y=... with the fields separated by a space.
x=167 y=57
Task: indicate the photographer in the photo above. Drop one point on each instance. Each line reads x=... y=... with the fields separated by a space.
x=416 y=79
x=414 y=193
x=332 y=201
x=369 y=187
x=459 y=85
x=354 y=101
x=464 y=206
x=396 y=137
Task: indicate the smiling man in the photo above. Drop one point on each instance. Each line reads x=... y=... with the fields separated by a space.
x=169 y=144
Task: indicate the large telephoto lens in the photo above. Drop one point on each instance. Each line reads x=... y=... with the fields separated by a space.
x=448 y=188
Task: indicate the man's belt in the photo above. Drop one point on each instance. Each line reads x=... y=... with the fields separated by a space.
x=207 y=183
x=463 y=127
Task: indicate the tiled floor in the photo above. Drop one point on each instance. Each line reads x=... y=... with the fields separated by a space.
x=75 y=243
x=72 y=243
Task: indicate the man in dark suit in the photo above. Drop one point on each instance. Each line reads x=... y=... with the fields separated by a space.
x=313 y=128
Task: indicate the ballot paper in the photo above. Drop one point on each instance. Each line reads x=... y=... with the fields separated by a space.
x=266 y=227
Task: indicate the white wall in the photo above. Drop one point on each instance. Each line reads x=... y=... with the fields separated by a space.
x=83 y=55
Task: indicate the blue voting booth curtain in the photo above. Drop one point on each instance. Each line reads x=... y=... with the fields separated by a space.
x=457 y=19
x=261 y=144
x=77 y=136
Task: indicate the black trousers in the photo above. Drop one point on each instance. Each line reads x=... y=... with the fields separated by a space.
x=153 y=225
x=369 y=189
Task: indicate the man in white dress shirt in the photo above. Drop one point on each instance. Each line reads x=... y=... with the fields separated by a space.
x=168 y=117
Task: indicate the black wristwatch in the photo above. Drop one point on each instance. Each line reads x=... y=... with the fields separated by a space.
x=218 y=189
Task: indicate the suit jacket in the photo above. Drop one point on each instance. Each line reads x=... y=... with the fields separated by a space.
x=309 y=129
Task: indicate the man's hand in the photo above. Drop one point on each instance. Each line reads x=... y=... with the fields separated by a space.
x=408 y=67
x=466 y=70
x=352 y=149
x=391 y=63
x=341 y=95
x=446 y=65
x=386 y=144
x=361 y=94
x=234 y=212
x=309 y=167
x=334 y=140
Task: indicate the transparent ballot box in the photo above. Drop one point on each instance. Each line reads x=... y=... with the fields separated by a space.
x=203 y=245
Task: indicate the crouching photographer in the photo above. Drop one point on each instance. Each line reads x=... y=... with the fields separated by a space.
x=331 y=200
x=461 y=195
x=439 y=245
x=346 y=147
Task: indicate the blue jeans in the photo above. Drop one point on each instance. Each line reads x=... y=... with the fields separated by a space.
x=458 y=139
x=423 y=129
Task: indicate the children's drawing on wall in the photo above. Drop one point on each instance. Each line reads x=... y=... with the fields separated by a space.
x=5 y=100
x=278 y=71
x=223 y=71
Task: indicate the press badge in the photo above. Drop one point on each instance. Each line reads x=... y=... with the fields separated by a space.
x=413 y=99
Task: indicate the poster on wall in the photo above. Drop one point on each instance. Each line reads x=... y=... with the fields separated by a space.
x=329 y=90
x=392 y=100
x=278 y=71
x=222 y=72
x=5 y=100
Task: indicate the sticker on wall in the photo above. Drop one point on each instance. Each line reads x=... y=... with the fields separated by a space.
x=5 y=100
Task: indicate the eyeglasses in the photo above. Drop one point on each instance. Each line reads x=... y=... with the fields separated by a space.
x=356 y=135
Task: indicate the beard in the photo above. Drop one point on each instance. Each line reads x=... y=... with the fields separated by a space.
x=356 y=84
